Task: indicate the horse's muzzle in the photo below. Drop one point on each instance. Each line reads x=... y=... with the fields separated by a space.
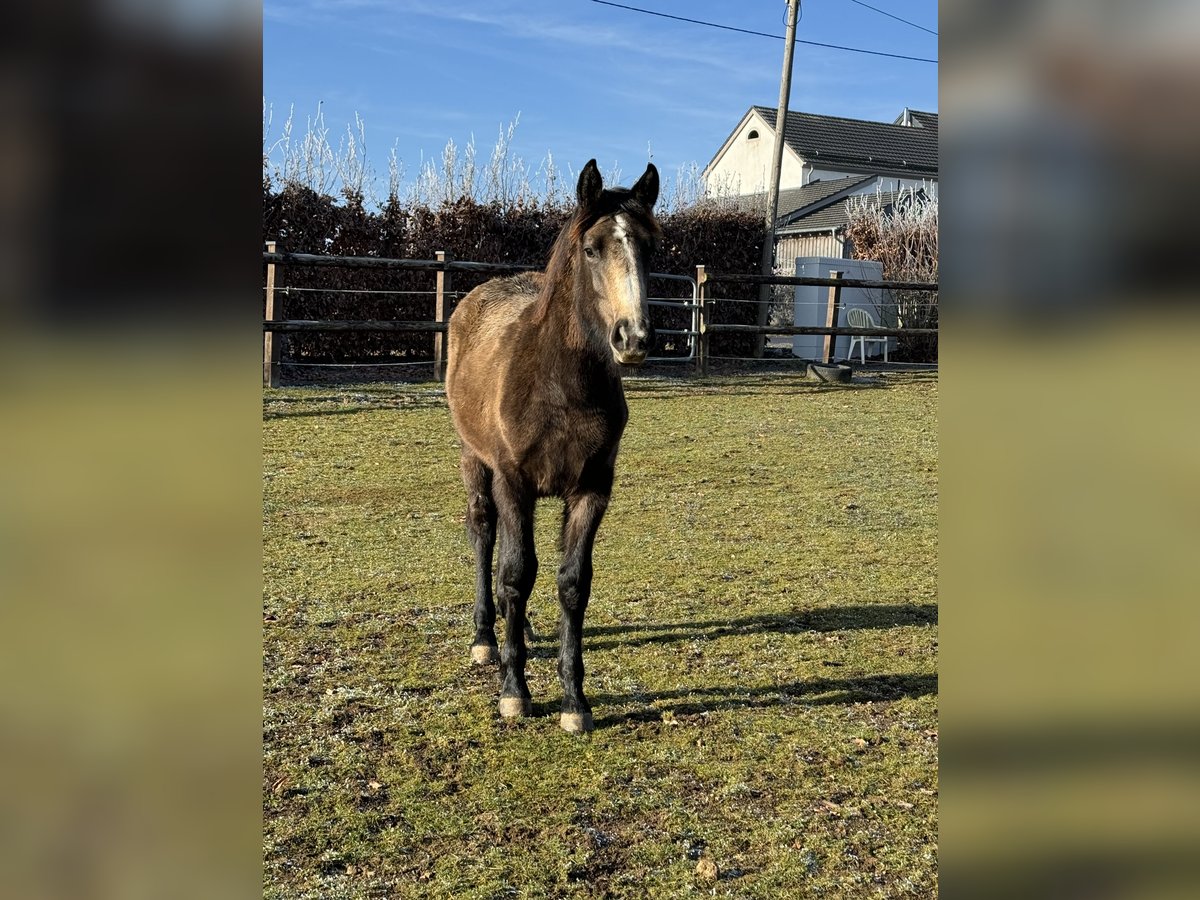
x=630 y=343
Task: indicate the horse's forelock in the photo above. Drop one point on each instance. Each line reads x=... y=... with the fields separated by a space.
x=611 y=202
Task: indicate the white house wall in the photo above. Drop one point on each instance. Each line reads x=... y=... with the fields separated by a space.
x=745 y=166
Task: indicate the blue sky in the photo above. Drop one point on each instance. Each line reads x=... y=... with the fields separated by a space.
x=587 y=80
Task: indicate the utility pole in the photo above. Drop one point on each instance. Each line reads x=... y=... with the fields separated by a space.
x=768 y=250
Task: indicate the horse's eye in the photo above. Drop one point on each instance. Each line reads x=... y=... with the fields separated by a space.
x=589 y=251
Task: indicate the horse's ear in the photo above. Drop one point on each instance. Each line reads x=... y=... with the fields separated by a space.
x=590 y=185
x=646 y=189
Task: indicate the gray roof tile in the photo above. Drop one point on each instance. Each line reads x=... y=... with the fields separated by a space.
x=924 y=119
x=834 y=215
x=795 y=199
x=848 y=144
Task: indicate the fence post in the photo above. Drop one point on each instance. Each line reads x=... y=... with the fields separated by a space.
x=439 y=316
x=702 y=320
x=835 y=302
x=271 y=341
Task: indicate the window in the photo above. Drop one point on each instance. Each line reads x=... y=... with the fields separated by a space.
x=753 y=135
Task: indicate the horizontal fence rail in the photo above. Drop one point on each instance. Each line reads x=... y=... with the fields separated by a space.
x=382 y=262
x=701 y=305
x=815 y=281
x=353 y=325
x=838 y=331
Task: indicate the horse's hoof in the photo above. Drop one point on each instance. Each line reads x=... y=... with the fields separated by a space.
x=484 y=655
x=576 y=723
x=515 y=707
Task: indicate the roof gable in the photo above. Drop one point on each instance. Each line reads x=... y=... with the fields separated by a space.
x=915 y=118
x=752 y=114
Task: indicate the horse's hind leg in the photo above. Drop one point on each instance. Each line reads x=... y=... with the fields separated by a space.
x=481 y=528
x=515 y=576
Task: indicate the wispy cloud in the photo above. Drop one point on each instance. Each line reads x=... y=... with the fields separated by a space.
x=545 y=26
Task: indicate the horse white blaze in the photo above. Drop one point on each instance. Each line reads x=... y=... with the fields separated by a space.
x=632 y=305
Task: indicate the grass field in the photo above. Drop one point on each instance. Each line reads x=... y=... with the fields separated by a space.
x=761 y=649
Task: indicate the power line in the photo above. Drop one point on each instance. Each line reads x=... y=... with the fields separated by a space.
x=650 y=12
x=884 y=12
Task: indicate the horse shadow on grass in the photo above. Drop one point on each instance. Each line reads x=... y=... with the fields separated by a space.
x=782 y=389
x=653 y=705
x=836 y=618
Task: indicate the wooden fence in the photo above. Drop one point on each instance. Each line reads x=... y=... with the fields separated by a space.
x=443 y=267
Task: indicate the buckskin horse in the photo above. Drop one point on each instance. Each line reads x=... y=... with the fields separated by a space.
x=534 y=386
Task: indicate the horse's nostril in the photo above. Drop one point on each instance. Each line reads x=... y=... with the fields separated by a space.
x=620 y=335
x=627 y=338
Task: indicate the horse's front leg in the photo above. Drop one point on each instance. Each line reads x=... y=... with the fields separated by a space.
x=581 y=519
x=515 y=576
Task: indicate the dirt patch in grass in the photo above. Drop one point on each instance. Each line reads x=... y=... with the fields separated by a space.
x=761 y=651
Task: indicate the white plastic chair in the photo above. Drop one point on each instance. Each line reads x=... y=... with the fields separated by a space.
x=857 y=317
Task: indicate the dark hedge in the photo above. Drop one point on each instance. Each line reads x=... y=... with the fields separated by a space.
x=301 y=221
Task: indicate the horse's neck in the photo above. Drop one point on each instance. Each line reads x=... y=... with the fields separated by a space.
x=569 y=314
x=571 y=327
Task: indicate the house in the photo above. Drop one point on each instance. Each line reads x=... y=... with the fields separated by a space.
x=902 y=153
x=826 y=160
x=819 y=229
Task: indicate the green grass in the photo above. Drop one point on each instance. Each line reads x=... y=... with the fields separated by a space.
x=760 y=646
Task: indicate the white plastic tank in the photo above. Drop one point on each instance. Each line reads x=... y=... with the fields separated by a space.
x=811 y=304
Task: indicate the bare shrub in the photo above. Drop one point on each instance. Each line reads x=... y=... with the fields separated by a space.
x=352 y=166
x=309 y=161
x=904 y=238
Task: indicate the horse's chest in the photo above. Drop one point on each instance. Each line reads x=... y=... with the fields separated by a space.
x=564 y=441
